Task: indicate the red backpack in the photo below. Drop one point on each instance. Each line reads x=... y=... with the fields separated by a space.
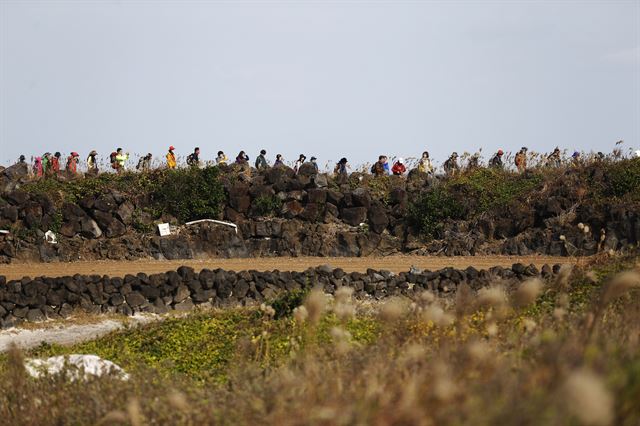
x=112 y=158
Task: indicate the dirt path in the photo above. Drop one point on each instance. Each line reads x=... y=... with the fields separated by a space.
x=64 y=334
x=392 y=263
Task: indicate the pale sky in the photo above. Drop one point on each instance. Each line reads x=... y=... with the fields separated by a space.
x=324 y=78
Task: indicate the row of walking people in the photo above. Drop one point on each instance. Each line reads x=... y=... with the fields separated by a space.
x=51 y=164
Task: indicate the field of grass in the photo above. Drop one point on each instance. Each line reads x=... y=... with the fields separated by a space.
x=558 y=352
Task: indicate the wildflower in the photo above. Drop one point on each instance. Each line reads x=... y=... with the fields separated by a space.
x=559 y=313
x=528 y=292
x=315 y=305
x=341 y=339
x=344 y=311
x=300 y=314
x=562 y=280
x=478 y=350
x=436 y=315
x=619 y=285
x=178 y=401
x=444 y=388
x=135 y=412
x=343 y=294
x=492 y=329
x=427 y=297
x=529 y=325
x=588 y=399
x=114 y=417
x=268 y=310
x=492 y=296
x=391 y=310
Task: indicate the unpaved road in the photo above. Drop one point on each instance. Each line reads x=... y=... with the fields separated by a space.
x=349 y=264
x=64 y=334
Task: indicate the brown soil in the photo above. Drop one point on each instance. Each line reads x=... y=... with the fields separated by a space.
x=392 y=263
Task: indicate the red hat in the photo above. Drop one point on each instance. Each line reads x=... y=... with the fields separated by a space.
x=500 y=152
x=75 y=154
x=171 y=148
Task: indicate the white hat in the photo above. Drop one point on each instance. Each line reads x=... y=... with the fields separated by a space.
x=400 y=160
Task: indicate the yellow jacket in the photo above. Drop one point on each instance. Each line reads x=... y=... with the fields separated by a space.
x=171 y=160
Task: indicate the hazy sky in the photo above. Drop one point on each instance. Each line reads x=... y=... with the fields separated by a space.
x=327 y=78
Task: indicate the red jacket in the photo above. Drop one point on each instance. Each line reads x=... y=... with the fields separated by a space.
x=398 y=169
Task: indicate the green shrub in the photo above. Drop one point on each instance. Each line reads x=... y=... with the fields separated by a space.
x=287 y=302
x=189 y=194
x=623 y=177
x=267 y=205
x=487 y=189
x=429 y=211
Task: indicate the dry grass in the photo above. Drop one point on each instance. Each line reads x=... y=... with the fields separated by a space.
x=561 y=352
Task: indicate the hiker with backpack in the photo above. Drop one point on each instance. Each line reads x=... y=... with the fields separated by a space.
x=554 y=159
x=521 y=160
x=380 y=167
x=474 y=162
x=193 y=159
x=399 y=168
x=261 y=161
x=118 y=160
x=496 y=160
x=72 y=163
x=341 y=167
x=92 y=163
x=450 y=166
x=171 y=158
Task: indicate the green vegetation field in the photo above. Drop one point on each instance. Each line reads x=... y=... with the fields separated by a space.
x=559 y=352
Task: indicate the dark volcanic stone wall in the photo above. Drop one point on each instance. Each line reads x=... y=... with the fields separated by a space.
x=36 y=299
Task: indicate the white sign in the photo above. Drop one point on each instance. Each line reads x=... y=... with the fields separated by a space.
x=164 y=229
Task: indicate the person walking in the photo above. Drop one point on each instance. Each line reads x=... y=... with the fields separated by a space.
x=521 y=160
x=144 y=163
x=299 y=163
x=261 y=161
x=450 y=166
x=425 y=166
x=37 y=167
x=341 y=167
x=171 y=158
x=398 y=168
x=379 y=167
x=92 y=162
x=55 y=163
x=72 y=163
x=313 y=161
x=193 y=159
x=554 y=160
x=119 y=160
x=496 y=160
x=46 y=164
